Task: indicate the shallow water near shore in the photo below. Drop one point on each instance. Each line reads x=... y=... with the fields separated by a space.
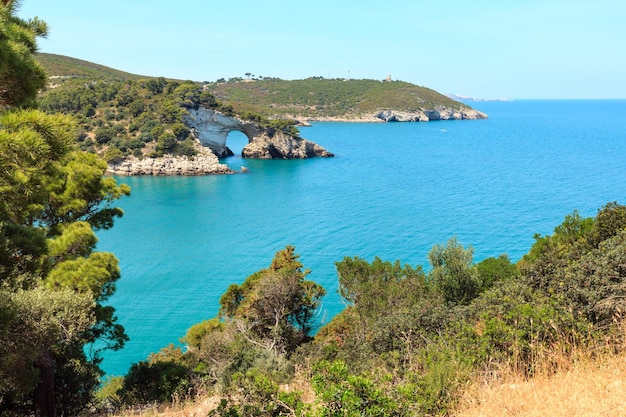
x=393 y=190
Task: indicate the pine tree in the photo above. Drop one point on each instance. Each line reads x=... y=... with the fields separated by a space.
x=53 y=285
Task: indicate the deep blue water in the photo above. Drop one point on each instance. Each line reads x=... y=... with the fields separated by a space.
x=393 y=191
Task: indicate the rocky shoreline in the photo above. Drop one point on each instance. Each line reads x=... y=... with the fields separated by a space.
x=263 y=146
x=205 y=163
x=384 y=116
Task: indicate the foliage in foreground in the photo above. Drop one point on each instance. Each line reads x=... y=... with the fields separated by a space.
x=54 y=286
x=409 y=342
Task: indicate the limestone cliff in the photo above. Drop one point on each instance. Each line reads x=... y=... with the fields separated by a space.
x=438 y=113
x=211 y=128
x=202 y=164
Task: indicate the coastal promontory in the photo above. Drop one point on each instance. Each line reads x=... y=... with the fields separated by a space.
x=157 y=126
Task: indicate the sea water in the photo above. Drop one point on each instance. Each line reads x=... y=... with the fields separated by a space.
x=393 y=191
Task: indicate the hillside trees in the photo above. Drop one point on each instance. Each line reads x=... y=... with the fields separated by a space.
x=133 y=117
x=583 y=264
x=53 y=199
x=391 y=310
x=53 y=286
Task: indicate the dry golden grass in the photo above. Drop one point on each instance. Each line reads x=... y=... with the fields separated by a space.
x=198 y=408
x=204 y=404
x=587 y=387
x=587 y=380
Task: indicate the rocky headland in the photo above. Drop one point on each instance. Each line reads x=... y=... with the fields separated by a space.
x=438 y=113
x=210 y=129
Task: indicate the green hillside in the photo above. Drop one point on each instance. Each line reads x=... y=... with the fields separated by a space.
x=121 y=114
x=320 y=97
x=62 y=67
x=314 y=97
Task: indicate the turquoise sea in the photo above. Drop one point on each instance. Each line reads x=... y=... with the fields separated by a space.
x=393 y=190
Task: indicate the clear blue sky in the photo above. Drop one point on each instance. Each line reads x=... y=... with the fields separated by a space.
x=480 y=48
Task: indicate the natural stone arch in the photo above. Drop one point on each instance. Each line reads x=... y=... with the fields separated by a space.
x=211 y=128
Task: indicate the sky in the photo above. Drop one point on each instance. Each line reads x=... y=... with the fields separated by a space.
x=561 y=49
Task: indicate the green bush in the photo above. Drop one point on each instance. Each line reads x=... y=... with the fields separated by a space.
x=166 y=143
x=343 y=394
x=155 y=382
x=453 y=272
x=185 y=148
x=494 y=270
x=104 y=135
x=113 y=155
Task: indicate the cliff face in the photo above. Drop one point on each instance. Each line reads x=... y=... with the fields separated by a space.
x=438 y=113
x=204 y=163
x=211 y=128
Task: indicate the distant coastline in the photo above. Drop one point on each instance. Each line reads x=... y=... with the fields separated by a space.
x=474 y=99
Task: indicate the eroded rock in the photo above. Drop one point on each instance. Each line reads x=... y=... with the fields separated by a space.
x=211 y=128
x=279 y=145
x=201 y=164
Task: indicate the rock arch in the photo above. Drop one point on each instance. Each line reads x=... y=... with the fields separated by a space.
x=211 y=128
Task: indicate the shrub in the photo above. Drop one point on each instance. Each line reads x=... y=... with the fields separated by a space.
x=185 y=148
x=166 y=143
x=454 y=273
x=343 y=394
x=104 y=134
x=113 y=155
x=154 y=382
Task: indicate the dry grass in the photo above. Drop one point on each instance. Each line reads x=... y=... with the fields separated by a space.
x=588 y=380
x=198 y=408
x=587 y=387
x=202 y=405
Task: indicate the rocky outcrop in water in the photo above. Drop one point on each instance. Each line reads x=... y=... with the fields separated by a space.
x=279 y=145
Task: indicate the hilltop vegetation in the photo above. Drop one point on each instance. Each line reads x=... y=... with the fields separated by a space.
x=314 y=97
x=61 y=67
x=317 y=97
x=121 y=117
x=123 y=114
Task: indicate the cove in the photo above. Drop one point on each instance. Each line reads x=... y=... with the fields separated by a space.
x=393 y=190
